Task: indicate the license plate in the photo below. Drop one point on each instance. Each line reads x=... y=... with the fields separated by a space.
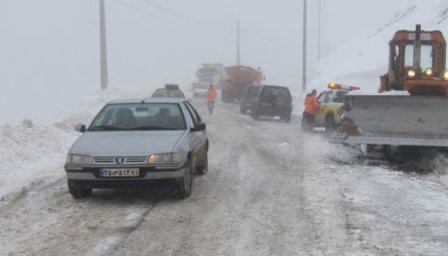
x=116 y=172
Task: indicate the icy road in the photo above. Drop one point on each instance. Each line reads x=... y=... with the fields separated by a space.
x=271 y=190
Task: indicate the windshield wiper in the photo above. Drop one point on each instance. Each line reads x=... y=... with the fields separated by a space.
x=106 y=128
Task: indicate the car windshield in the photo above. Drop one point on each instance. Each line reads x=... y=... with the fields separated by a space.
x=139 y=117
x=426 y=56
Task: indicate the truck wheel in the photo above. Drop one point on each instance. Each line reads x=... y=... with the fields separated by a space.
x=224 y=96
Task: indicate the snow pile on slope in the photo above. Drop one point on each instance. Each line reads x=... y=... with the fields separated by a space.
x=29 y=151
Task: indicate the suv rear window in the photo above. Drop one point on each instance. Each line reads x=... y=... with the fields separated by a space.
x=275 y=91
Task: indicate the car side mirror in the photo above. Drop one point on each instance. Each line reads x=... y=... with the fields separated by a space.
x=80 y=127
x=198 y=127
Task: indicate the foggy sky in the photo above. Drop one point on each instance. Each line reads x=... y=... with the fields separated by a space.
x=49 y=49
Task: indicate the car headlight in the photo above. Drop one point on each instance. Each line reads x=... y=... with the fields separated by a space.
x=163 y=158
x=79 y=159
x=411 y=73
x=428 y=72
x=445 y=75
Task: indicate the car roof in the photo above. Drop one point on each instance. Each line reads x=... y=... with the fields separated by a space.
x=147 y=100
x=168 y=93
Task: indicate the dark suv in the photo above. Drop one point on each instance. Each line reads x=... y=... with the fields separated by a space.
x=249 y=97
x=272 y=100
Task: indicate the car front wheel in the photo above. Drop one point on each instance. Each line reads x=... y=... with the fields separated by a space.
x=77 y=191
x=203 y=167
x=184 y=185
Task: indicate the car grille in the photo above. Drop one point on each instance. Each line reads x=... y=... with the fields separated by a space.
x=123 y=159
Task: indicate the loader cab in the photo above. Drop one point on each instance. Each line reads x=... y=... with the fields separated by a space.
x=404 y=64
x=402 y=61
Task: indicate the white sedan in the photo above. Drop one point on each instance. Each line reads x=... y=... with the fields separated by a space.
x=136 y=142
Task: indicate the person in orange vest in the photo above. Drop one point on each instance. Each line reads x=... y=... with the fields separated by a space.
x=210 y=95
x=311 y=108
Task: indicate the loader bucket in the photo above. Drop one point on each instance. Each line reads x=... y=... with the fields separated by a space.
x=396 y=120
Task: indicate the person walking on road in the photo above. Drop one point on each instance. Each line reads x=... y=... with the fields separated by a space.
x=311 y=108
x=210 y=95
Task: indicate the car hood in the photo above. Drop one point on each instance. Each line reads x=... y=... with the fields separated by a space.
x=126 y=143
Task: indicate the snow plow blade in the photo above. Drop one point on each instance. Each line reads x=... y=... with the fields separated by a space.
x=394 y=120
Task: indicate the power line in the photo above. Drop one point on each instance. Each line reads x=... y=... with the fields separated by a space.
x=182 y=17
x=133 y=7
x=173 y=13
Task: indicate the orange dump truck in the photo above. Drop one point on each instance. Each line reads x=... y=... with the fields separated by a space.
x=238 y=79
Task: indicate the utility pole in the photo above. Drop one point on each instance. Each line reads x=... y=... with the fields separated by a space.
x=304 y=48
x=238 y=43
x=103 y=47
x=318 y=31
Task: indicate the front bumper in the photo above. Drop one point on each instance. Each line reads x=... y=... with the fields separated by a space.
x=90 y=176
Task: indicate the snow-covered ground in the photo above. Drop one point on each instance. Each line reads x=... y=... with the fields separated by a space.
x=271 y=190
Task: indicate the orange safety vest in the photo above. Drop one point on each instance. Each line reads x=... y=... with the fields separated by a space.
x=311 y=104
x=211 y=93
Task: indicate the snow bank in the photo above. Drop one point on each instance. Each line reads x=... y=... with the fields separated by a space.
x=30 y=151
